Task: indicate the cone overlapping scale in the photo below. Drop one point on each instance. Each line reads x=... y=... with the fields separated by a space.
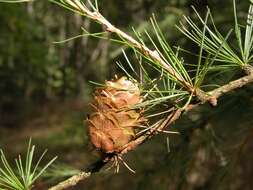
x=113 y=122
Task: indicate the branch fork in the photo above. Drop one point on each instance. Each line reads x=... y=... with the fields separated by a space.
x=202 y=96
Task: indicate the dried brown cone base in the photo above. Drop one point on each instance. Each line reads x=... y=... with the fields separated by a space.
x=112 y=124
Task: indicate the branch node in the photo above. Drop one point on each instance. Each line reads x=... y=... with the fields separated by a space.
x=248 y=69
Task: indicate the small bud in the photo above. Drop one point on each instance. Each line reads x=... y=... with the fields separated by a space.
x=213 y=101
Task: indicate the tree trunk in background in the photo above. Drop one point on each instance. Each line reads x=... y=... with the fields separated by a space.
x=81 y=54
x=63 y=53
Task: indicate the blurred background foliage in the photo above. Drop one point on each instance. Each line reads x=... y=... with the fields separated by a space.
x=45 y=91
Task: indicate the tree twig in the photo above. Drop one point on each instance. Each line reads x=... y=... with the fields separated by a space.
x=72 y=181
x=153 y=54
x=232 y=85
x=95 y=167
x=203 y=97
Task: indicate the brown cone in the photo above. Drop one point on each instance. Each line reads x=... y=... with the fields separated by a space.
x=111 y=125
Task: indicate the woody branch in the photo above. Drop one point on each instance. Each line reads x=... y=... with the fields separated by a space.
x=95 y=167
x=203 y=97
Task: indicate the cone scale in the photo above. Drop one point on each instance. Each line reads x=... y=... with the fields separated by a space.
x=112 y=123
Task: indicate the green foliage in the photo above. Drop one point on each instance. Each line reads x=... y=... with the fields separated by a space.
x=45 y=72
x=174 y=87
x=26 y=172
x=215 y=44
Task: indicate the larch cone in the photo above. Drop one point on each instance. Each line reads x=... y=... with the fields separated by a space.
x=113 y=122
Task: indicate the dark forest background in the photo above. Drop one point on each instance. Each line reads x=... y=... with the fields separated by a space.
x=45 y=89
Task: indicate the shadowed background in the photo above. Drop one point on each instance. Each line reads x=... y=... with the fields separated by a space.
x=45 y=90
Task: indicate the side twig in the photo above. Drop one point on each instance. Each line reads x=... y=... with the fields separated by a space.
x=203 y=97
x=95 y=167
x=153 y=54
